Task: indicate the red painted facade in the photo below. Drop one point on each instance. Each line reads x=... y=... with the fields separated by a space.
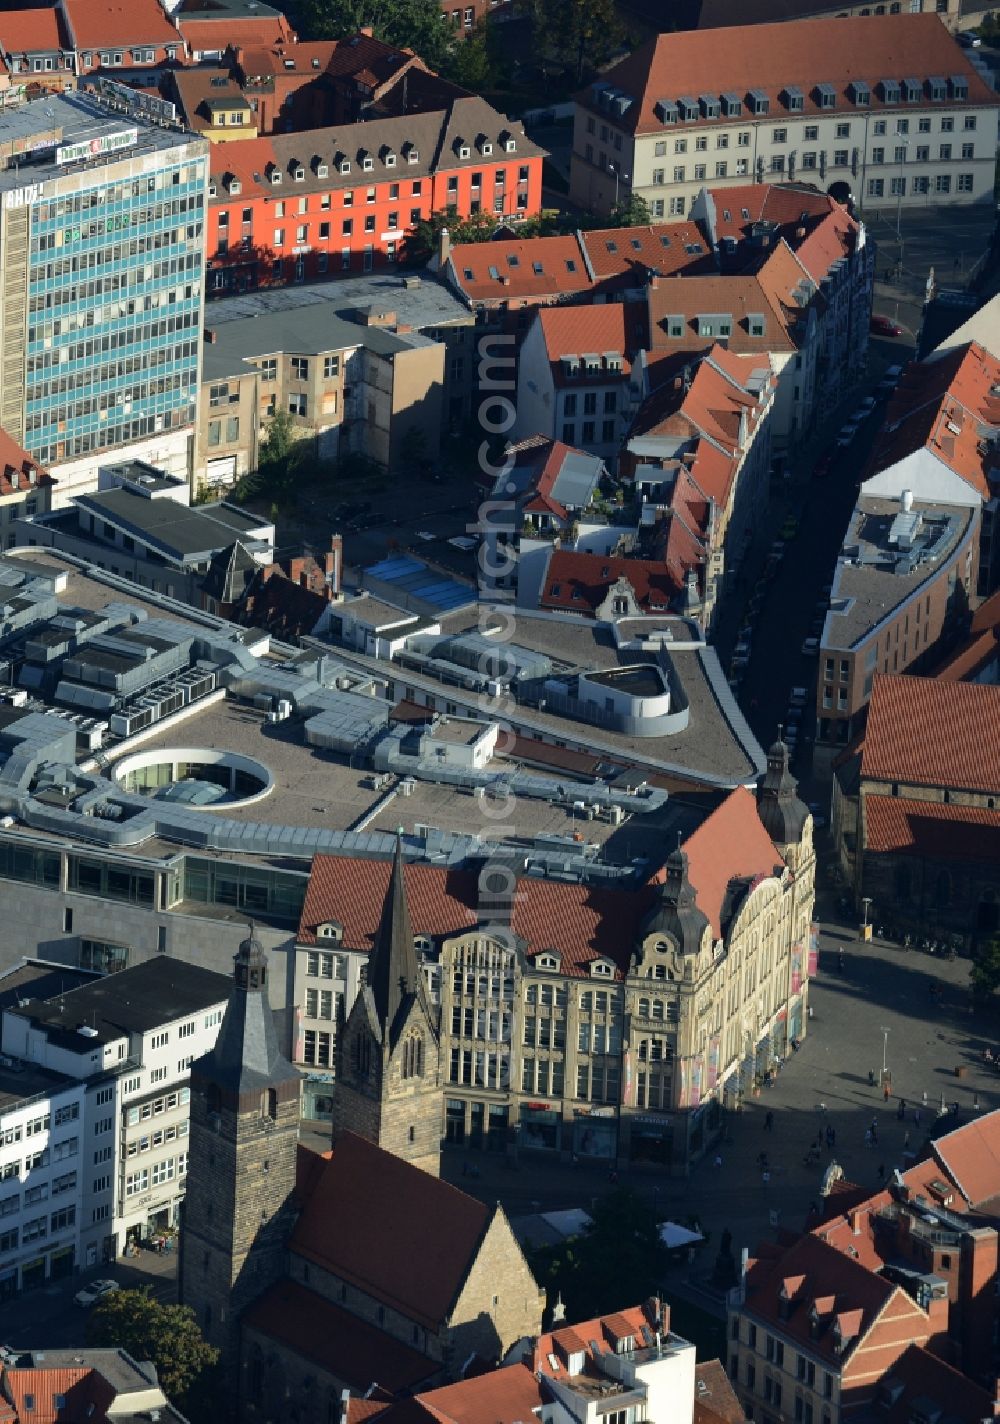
x=262 y=237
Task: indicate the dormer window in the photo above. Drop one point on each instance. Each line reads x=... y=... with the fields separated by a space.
x=508 y=143
x=794 y=99
x=732 y=106
x=212 y=190
x=422 y=944
x=234 y=185
x=275 y=177
x=601 y=969
x=389 y=158
x=464 y=151
x=484 y=145
x=861 y=94
x=759 y=103
x=938 y=88
x=412 y=152
x=344 y=165
x=890 y=91
x=548 y=962
x=666 y=111
x=322 y=169
x=367 y=162
x=826 y=96
x=330 y=931
x=298 y=173
x=913 y=90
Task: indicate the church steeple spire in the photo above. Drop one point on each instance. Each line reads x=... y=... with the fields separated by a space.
x=393 y=969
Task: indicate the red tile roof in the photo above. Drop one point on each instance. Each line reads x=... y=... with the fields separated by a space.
x=771 y=57
x=413 y=1238
x=533 y=267
x=116 y=24
x=352 y=1350
x=931 y=830
x=617 y=327
x=579 y=582
x=509 y=1395
x=603 y=1331
x=351 y=892
x=812 y=1268
x=25 y=31
x=715 y=1400
x=971 y=1155
x=661 y=247
x=225 y=31
x=737 y=208
x=730 y=844
x=740 y=296
x=16 y=466
x=903 y=740
x=920 y=1376
x=82 y=1388
x=939 y=406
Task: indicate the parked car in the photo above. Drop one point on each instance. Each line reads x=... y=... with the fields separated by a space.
x=865 y=409
x=884 y=326
x=811 y=647
x=969 y=39
x=96 y=1291
x=846 y=434
x=799 y=697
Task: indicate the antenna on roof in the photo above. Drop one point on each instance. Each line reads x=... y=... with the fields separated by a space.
x=558 y=1310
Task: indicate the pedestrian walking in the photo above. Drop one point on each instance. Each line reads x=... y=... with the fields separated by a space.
x=886 y=1090
x=901 y=1110
x=874 y=1129
x=871 y=1077
x=769 y=1122
x=916 y=1117
x=925 y=1097
x=718 y=1159
x=831 y=1136
x=868 y=1137
x=906 y=1142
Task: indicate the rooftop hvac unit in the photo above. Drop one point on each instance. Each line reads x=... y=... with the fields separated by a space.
x=406 y=786
x=281 y=712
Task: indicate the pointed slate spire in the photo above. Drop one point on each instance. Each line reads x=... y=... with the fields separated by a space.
x=246 y=1056
x=781 y=812
x=394 y=973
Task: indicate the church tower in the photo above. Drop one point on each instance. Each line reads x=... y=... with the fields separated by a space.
x=388 y=1086
x=241 y=1174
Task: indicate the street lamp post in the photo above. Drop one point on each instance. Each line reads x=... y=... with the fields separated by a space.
x=613 y=168
x=885 y=1050
x=866 y=929
x=901 y=147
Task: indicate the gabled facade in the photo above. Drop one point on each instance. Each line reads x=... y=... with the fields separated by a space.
x=879 y=107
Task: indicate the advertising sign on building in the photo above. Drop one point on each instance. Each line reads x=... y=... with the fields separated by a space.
x=97 y=147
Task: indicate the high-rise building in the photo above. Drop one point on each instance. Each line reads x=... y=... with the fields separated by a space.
x=101 y=287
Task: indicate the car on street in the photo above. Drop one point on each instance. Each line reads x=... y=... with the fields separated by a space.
x=846 y=434
x=865 y=409
x=969 y=40
x=799 y=697
x=884 y=325
x=96 y=1291
x=811 y=647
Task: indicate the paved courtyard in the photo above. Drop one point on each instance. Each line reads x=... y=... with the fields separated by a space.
x=825 y=1083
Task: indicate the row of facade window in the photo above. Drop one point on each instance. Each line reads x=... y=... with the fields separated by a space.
x=151 y=1141
x=138 y=1182
x=38 y=1229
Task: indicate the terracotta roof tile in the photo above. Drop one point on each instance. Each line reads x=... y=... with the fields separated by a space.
x=111 y=24
x=900 y=741
x=532 y=267
x=772 y=57
x=510 y=1395
x=27 y=30
x=740 y=296
x=579 y=581
x=820 y=1269
x=617 y=327
x=581 y=1337
x=352 y=1350
x=940 y=406
x=971 y=1156
x=660 y=247
x=84 y=1388
x=730 y=844
x=715 y=1400
x=224 y=31
x=931 y=830
x=922 y=1376
x=351 y=892
x=413 y=1238
x=16 y=467
x=783 y=204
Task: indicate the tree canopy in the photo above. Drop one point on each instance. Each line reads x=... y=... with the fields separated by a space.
x=985 y=972
x=618 y=1260
x=573 y=36
x=411 y=24
x=168 y=1335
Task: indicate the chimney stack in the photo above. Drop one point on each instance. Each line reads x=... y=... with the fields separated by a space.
x=335 y=565
x=444 y=247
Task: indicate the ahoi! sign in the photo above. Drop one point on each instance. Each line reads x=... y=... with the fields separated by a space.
x=23 y=197
x=97 y=147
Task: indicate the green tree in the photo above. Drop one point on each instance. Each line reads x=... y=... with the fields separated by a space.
x=471 y=62
x=985 y=973
x=422 y=242
x=168 y=1335
x=618 y=1260
x=575 y=36
x=419 y=25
